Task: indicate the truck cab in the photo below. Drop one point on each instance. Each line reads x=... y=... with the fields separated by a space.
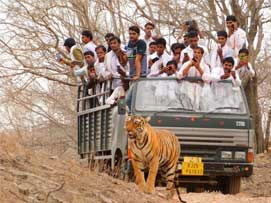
x=211 y=120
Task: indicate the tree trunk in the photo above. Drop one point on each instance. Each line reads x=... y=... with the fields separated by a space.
x=267 y=131
x=255 y=110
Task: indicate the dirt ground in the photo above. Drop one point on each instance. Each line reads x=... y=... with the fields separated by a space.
x=34 y=176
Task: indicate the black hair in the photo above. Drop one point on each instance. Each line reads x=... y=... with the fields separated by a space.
x=152 y=43
x=200 y=48
x=229 y=60
x=109 y=35
x=192 y=34
x=69 y=42
x=161 y=41
x=149 y=23
x=89 y=53
x=135 y=29
x=87 y=33
x=115 y=38
x=100 y=47
x=244 y=50
x=222 y=33
x=177 y=46
x=186 y=34
x=172 y=62
x=231 y=18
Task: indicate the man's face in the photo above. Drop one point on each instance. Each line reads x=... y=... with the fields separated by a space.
x=221 y=40
x=114 y=45
x=67 y=49
x=198 y=54
x=227 y=66
x=148 y=30
x=193 y=41
x=89 y=59
x=186 y=40
x=85 y=39
x=230 y=24
x=133 y=36
x=177 y=52
x=171 y=69
x=100 y=54
x=160 y=49
x=152 y=49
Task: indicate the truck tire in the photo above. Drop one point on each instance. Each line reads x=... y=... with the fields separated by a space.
x=232 y=185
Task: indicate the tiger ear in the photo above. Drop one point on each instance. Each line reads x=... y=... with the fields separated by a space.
x=147 y=119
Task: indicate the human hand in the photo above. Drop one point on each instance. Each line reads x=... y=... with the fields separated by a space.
x=136 y=77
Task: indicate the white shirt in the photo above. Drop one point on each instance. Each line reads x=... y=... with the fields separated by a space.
x=90 y=46
x=193 y=72
x=218 y=72
x=111 y=62
x=190 y=53
x=215 y=59
x=100 y=69
x=162 y=62
x=237 y=40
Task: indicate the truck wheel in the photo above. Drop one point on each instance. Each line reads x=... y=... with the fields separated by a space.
x=232 y=185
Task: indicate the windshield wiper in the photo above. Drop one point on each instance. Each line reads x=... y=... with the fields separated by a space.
x=180 y=108
x=221 y=108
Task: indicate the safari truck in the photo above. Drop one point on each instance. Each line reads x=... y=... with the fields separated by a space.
x=212 y=123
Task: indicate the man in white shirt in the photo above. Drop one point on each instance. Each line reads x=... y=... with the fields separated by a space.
x=160 y=58
x=243 y=67
x=227 y=73
x=170 y=70
x=188 y=52
x=222 y=51
x=115 y=62
x=176 y=50
x=237 y=38
x=86 y=37
x=196 y=66
x=150 y=35
x=99 y=64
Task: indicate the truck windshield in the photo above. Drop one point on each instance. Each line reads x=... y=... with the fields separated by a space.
x=168 y=95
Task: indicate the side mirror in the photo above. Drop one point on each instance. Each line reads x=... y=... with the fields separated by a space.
x=122 y=106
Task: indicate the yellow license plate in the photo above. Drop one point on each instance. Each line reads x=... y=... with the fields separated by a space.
x=192 y=166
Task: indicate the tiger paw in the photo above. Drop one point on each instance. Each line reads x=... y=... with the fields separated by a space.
x=149 y=189
x=141 y=187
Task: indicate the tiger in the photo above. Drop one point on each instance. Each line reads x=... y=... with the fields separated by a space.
x=151 y=149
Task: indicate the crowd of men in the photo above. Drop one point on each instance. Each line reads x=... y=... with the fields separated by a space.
x=149 y=57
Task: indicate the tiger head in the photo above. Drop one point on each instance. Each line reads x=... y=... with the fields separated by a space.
x=136 y=126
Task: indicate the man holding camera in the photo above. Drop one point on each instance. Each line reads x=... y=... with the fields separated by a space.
x=236 y=36
x=159 y=59
x=227 y=73
x=188 y=52
x=115 y=62
x=222 y=51
x=196 y=67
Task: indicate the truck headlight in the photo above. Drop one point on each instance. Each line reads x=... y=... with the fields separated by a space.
x=240 y=155
x=226 y=155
